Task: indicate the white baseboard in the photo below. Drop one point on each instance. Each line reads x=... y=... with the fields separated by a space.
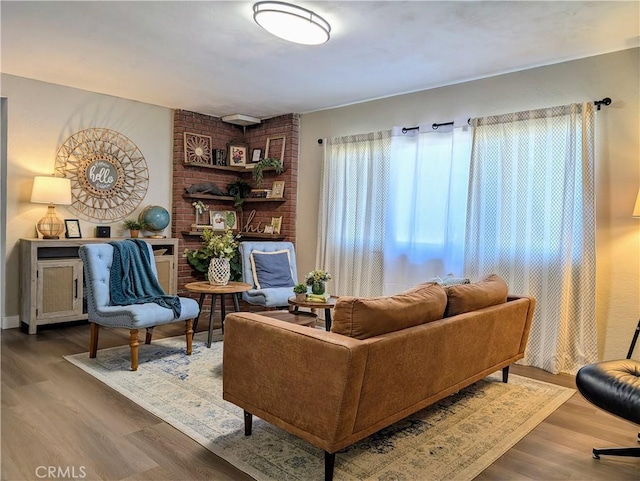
x=10 y=322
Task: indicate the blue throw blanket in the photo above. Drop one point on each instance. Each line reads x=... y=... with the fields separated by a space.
x=132 y=278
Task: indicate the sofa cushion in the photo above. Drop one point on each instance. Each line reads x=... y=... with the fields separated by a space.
x=271 y=269
x=364 y=317
x=487 y=292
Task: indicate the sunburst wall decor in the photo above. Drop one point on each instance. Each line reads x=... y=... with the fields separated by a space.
x=109 y=175
x=197 y=149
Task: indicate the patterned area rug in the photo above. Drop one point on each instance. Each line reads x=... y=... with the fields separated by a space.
x=455 y=439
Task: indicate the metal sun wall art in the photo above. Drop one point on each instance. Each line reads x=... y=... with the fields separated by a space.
x=109 y=175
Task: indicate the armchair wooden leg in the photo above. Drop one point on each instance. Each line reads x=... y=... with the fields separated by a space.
x=133 y=342
x=93 y=340
x=189 y=333
x=147 y=339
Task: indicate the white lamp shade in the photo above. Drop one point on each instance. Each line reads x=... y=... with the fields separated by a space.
x=636 y=209
x=291 y=22
x=51 y=190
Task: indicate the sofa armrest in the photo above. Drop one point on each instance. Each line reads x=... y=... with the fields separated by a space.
x=303 y=380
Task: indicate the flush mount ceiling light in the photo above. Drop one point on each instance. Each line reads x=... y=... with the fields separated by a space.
x=292 y=23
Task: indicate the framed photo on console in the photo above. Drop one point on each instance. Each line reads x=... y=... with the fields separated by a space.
x=72 y=227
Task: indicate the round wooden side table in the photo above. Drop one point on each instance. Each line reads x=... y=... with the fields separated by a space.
x=327 y=306
x=204 y=288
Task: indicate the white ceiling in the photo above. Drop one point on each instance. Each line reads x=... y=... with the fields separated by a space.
x=211 y=57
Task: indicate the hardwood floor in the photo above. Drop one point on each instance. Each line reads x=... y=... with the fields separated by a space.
x=55 y=416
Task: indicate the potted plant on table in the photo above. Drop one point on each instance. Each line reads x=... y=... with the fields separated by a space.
x=218 y=257
x=134 y=226
x=300 y=290
x=317 y=279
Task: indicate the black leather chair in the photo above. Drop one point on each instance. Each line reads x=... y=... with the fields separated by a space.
x=615 y=387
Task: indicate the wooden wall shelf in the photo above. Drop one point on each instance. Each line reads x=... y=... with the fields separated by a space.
x=224 y=198
x=243 y=235
x=228 y=168
x=227 y=198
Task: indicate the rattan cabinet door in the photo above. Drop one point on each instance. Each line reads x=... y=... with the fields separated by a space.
x=166 y=273
x=59 y=289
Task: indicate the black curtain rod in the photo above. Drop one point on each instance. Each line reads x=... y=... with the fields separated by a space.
x=604 y=101
x=434 y=126
x=598 y=103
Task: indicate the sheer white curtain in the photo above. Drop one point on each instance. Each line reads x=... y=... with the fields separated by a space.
x=351 y=221
x=531 y=219
x=426 y=207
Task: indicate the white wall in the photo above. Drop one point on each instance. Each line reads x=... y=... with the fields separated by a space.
x=613 y=75
x=41 y=116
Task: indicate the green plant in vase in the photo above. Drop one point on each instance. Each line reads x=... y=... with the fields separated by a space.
x=134 y=226
x=214 y=245
x=317 y=279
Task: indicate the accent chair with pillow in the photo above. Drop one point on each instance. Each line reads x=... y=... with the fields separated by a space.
x=270 y=267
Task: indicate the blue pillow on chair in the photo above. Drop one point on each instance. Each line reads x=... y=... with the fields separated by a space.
x=271 y=269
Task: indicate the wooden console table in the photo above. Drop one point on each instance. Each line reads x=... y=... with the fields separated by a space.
x=51 y=277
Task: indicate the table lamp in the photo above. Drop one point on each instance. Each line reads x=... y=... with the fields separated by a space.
x=51 y=190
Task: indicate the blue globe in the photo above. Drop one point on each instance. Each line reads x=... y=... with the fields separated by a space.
x=155 y=217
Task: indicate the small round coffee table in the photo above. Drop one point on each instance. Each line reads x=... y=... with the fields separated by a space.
x=329 y=304
x=204 y=288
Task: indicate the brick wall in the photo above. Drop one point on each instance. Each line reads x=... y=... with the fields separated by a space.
x=183 y=213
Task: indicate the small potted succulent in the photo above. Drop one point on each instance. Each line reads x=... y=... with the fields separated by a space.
x=300 y=290
x=134 y=226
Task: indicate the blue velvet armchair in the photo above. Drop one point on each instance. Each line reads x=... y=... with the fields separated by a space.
x=268 y=296
x=97 y=260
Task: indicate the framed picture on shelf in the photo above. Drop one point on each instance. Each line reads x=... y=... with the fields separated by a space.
x=277 y=190
x=72 y=227
x=256 y=155
x=268 y=229
x=275 y=147
x=276 y=223
x=237 y=153
x=230 y=219
x=217 y=220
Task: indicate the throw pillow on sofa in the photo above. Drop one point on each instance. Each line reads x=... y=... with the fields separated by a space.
x=364 y=317
x=490 y=291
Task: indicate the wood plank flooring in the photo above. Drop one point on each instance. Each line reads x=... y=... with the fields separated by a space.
x=54 y=414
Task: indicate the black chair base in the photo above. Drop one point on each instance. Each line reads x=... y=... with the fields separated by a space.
x=632 y=452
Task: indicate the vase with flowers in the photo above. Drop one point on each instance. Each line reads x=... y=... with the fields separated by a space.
x=200 y=209
x=317 y=279
x=218 y=257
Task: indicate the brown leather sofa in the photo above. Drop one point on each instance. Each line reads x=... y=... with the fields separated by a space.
x=332 y=390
